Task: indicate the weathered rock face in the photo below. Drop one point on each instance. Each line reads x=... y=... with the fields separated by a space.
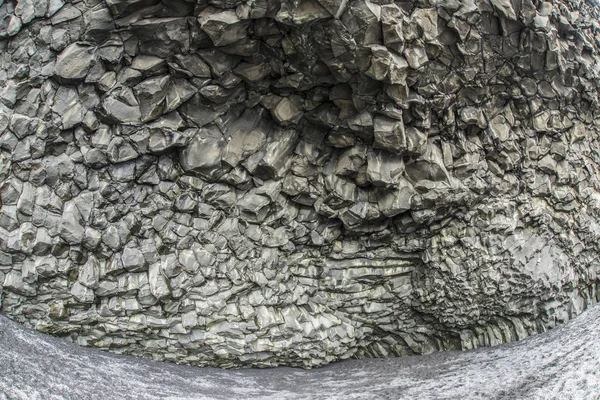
x=263 y=182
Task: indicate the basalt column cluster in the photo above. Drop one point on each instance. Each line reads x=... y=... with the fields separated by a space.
x=277 y=182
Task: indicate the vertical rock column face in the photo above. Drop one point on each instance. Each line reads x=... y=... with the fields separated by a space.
x=268 y=182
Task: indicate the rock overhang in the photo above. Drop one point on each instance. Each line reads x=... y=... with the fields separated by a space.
x=271 y=183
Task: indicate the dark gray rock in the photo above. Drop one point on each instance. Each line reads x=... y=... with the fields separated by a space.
x=389 y=134
x=121 y=107
x=274 y=182
x=204 y=153
x=222 y=26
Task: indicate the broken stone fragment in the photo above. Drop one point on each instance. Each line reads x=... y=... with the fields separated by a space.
x=14 y=281
x=548 y=164
x=151 y=95
x=341 y=192
x=222 y=26
x=391 y=25
x=416 y=141
x=361 y=18
x=95 y=158
x=89 y=272
x=46 y=266
x=160 y=95
x=253 y=72
x=26 y=200
x=162 y=37
x=165 y=139
x=29 y=272
x=387 y=66
x=334 y=7
x=220 y=63
x=397 y=199
x=499 y=128
x=416 y=56
x=26 y=10
x=74 y=62
x=111 y=51
x=107 y=81
x=43 y=243
x=362 y=122
x=389 y=134
x=252 y=9
x=122 y=7
x=158 y=282
x=188 y=261
x=121 y=106
x=473 y=116
x=217 y=94
x=246 y=136
x=384 y=169
x=204 y=152
x=254 y=207
x=72 y=224
x=67 y=105
x=505 y=9
x=351 y=160
x=82 y=293
x=287 y=111
x=119 y=150
x=149 y=65
x=270 y=163
x=429 y=167
x=302 y=12
x=426 y=19
x=133 y=259
x=193 y=65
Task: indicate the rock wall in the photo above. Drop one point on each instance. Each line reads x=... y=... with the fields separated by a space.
x=269 y=182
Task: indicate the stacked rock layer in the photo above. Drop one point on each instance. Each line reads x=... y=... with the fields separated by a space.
x=268 y=182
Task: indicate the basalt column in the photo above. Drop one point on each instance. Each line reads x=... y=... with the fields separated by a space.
x=268 y=182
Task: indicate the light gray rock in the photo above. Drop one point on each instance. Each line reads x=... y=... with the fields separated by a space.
x=74 y=62
x=29 y=272
x=89 y=272
x=505 y=9
x=133 y=259
x=72 y=224
x=14 y=281
x=82 y=293
x=254 y=207
x=158 y=283
x=26 y=200
x=120 y=150
x=287 y=111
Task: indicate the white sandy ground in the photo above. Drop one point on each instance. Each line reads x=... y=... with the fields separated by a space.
x=560 y=364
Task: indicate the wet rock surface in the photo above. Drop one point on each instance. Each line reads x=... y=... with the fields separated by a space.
x=268 y=183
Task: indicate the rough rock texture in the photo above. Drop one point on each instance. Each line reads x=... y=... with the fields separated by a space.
x=270 y=182
x=559 y=364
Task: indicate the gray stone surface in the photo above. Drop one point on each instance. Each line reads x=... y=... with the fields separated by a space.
x=559 y=364
x=294 y=183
